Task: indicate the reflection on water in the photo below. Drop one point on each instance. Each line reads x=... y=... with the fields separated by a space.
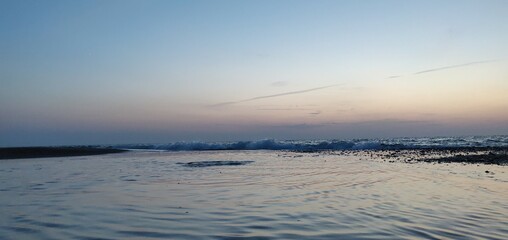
x=277 y=195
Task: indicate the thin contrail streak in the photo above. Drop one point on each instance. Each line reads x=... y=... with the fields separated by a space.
x=272 y=96
x=454 y=66
x=447 y=67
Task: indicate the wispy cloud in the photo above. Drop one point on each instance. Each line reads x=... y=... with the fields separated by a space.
x=273 y=96
x=446 y=68
x=369 y=123
x=381 y=122
x=454 y=66
x=317 y=112
x=394 y=76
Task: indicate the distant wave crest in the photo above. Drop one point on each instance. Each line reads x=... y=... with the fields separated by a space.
x=307 y=145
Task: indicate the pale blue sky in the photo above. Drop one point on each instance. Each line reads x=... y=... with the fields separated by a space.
x=87 y=72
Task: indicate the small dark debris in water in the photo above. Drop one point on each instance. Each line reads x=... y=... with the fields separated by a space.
x=215 y=163
x=130 y=180
x=487 y=171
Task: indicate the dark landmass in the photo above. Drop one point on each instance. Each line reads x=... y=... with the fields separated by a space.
x=42 y=152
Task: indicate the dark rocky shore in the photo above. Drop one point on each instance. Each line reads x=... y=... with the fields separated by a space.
x=41 y=152
x=466 y=155
x=472 y=155
x=500 y=158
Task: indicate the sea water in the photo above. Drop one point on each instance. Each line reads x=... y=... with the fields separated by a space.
x=257 y=194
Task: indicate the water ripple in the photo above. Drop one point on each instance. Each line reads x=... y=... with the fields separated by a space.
x=148 y=196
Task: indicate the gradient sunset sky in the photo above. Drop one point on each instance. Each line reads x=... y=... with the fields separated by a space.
x=100 y=72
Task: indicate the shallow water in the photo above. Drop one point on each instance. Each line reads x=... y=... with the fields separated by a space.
x=145 y=195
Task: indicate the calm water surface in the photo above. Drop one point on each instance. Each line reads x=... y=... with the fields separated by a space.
x=152 y=195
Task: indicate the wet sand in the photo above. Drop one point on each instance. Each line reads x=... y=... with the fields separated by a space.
x=42 y=152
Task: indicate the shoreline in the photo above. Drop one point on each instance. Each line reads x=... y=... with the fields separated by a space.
x=45 y=152
x=467 y=155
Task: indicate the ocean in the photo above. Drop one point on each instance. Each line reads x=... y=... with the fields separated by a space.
x=268 y=189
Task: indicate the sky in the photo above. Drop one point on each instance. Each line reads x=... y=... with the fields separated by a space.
x=105 y=72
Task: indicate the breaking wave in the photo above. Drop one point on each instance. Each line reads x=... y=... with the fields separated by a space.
x=310 y=145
